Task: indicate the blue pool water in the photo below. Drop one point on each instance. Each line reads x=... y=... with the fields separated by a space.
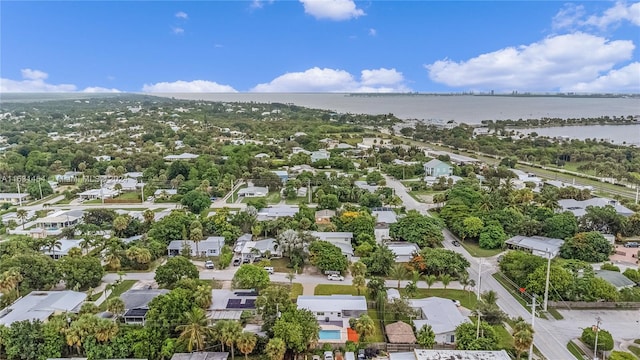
x=330 y=335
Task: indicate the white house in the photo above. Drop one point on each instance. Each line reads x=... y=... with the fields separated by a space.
x=103 y=193
x=102 y=158
x=422 y=354
x=537 y=245
x=183 y=156
x=13 y=198
x=442 y=314
x=275 y=212
x=211 y=246
x=40 y=305
x=320 y=155
x=579 y=208
x=404 y=251
x=253 y=191
x=59 y=220
x=340 y=239
x=253 y=249
x=65 y=246
x=436 y=168
x=333 y=308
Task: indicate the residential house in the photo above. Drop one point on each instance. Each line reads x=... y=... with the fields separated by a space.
x=560 y=184
x=404 y=251
x=278 y=211
x=13 y=198
x=442 y=314
x=126 y=184
x=102 y=158
x=297 y=150
x=262 y=156
x=364 y=186
x=333 y=308
x=13 y=216
x=537 y=245
x=65 y=246
x=183 y=156
x=40 y=305
x=260 y=248
x=579 y=208
x=340 y=239
x=454 y=158
x=165 y=193
x=321 y=154
x=436 y=168
x=102 y=193
x=253 y=191
x=324 y=216
x=136 y=304
x=442 y=354
x=615 y=278
x=59 y=220
x=368 y=143
x=211 y=246
x=385 y=217
x=229 y=305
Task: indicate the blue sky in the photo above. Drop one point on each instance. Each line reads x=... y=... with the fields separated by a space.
x=320 y=46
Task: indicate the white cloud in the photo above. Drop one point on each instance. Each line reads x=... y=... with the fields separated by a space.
x=34 y=81
x=181 y=86
x=616 y=14
x=625 y=79
x=178 y=30
x=373 y=32
x=98 y=89
x=332 y=9
x=334 y=80
x=182 y=15
x=552 y=63
x=573 y=16
x=258 y=4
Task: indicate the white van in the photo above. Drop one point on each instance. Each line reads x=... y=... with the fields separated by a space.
x=328 y=355
x=269 y=269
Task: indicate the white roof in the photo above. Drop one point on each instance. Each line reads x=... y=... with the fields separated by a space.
x=325 y=236
x=253 y=190
x=578 y=208
x=185 y=156
x=403 y=248
x=13 y=195
x=65 y=246
x=387 y=217
x=278 y=211
x=422 y=354
x=435 y=162
x=331 y=303
x=442 y=314
x=539 y=245
x=212 y=242
x=61 y=216
x=169 y=192
x=40 y=305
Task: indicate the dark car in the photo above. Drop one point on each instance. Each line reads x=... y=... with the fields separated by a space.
x=455 y=243
x=246 y=261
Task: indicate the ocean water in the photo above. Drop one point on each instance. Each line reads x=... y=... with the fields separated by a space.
x=467 y=109
x=616 y=134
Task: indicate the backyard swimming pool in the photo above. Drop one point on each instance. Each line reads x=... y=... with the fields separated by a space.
x=330 y=335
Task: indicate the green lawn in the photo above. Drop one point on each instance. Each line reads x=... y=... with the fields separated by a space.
x=377 y=335
x=337 y=289
x=475 y=250
x=129 y=196
x=575 y=350
x=555 y=313
x=635 y=350
x=282 y=265
x=467 y=298
x=636 y=341
x=296 y=201
x=273 y=197
x=505 y=340
x=296 y=290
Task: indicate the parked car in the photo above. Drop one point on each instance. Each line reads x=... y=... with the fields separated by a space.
x=237 y=261
x=208 y=264
x=457 y=302
x=335 y=277
x=246 y=261
x=455 y=243
x=269 y=269
x=632 y=244
x=328 y=355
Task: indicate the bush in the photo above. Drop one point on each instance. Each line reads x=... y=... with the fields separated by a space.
x=605 y=340
x=610 y=267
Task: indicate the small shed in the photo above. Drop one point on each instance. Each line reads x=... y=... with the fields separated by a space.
x=400 y=333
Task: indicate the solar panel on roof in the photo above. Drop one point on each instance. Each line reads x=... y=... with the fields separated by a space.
x=234 y=303
x=246 y=293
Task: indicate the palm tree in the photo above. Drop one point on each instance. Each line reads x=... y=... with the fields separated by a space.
x=22 y=215
x=358 y=268
x=359 y=282
x=365 y=326
x=229 y=333
x=522 y=336
x=115 y=306
x=138 y=254
x=398 y=272
x=246 y=343
x=52 y=245
x=202 y=296
x=120 y=223
x=113 y=260
x=275 y=349
x=291 y=276
x=464 y=280
x=85 y=244
x=9 y=280
x=430 y=280
x=195 y=331
x=446 y=279
x=490 y=297
x=195 y=234
x=148 y=216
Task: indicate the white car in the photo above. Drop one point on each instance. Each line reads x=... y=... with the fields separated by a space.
x=335 y=277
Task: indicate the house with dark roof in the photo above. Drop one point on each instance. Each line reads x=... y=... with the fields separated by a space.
x=615 y=278
x=136 y=304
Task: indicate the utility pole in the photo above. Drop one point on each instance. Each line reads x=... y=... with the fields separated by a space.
x=232 y=191
x=546 y=284
x=142 y=193
x=533 y=321
x=309 y=189
x=637 y=192
x=19 y=196
x=597 y=330
x=40 y=187
x=478 y=329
